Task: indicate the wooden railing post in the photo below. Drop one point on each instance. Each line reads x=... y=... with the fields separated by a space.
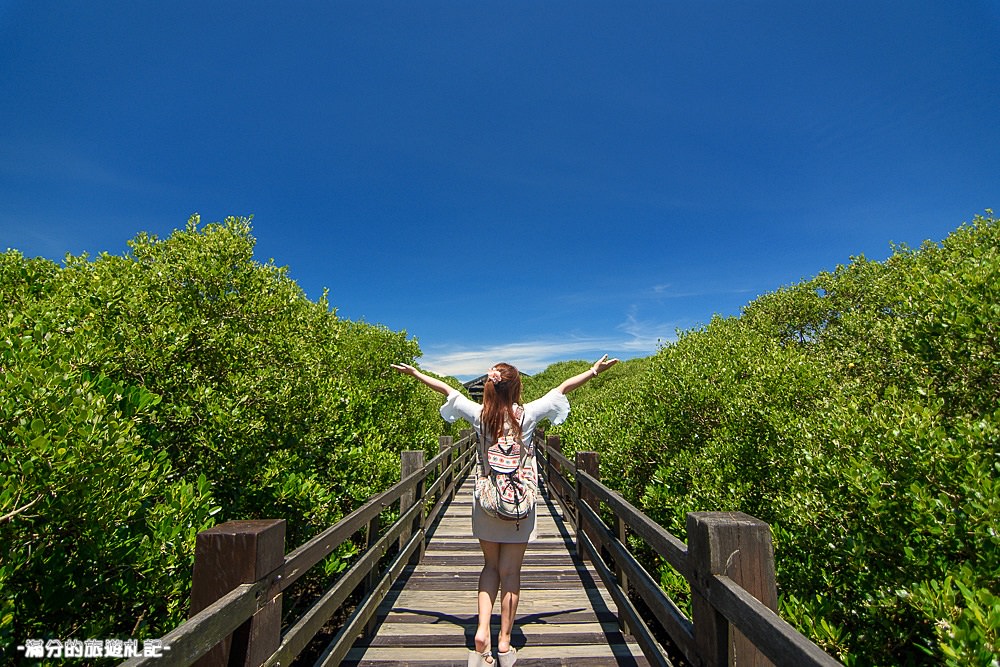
x=411 y=461
x=590 y=463
x=471 y=434
x=739 y=546
x=225 y=556
x=371 y=580
x=446 y=442
x=553 y=444
x=622 y=536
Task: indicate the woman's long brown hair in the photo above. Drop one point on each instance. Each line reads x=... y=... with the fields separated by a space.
x=498 y=401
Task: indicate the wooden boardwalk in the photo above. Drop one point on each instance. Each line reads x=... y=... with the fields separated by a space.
x=565 y=616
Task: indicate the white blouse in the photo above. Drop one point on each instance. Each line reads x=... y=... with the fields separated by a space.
x=553 y=406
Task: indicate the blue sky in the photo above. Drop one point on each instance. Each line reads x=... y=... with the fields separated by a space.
x=519 y=181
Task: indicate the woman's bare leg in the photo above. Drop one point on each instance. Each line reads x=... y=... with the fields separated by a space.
x=509 y=568
x=489 y=583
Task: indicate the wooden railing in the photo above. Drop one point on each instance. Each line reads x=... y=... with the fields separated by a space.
x=728 y=562
x=241 y=570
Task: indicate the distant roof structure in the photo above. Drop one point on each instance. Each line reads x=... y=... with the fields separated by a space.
x=475 y=387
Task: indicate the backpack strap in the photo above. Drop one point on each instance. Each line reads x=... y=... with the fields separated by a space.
x=524 y=448
x=484 y=444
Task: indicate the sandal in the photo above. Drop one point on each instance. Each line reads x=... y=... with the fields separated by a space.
x=484 y=659
x=509 y=658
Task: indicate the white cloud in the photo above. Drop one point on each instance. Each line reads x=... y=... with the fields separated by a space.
x=634 y=336
x=646 y=335
x=529 y=357
x=635 y=339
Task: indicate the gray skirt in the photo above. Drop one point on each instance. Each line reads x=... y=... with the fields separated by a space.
x=492 y=529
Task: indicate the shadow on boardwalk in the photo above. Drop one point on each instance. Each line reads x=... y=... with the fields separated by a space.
x=565 y=617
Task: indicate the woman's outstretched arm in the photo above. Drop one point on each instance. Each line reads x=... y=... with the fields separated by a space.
x=599 y=366
x=433 y=383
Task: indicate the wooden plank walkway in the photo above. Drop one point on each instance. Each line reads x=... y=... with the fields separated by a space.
x=565 y=616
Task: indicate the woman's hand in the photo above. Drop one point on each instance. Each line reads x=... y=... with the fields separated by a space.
x=602 y=365
x=405 y=369
x=599 y=366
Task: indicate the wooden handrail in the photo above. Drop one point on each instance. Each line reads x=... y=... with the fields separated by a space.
x=669 y=547
x=315 y=550
x=673 y=620
x=338 y=648
x=725 y=613
x=564 y=462
x=643 y=634
x=201 y=633
x=195 y=637
x=299 y=635
x=778 y=640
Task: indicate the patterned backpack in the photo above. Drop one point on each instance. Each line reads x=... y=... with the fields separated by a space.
x=505 y=488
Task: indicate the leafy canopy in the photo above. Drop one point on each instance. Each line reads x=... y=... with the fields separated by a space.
x=150 y=395
x=856 y=412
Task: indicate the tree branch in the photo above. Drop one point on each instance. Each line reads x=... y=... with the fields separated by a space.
x=11 y=515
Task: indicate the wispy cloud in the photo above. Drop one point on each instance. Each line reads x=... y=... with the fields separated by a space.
x=529 y=356
x=646 y=334
x=657 y=293
x=633 y=338
x=668 y=291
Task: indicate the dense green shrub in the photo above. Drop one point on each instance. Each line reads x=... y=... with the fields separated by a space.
x=857 y=413
x=150 y=395
x=147 y=396
x=603 y=405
